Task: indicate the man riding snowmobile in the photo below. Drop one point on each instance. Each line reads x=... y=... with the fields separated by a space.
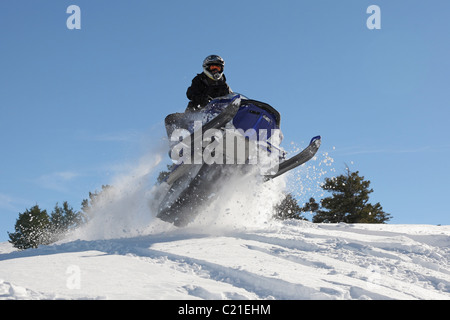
x=209 y=84
x=206 y=86
x=235 y=133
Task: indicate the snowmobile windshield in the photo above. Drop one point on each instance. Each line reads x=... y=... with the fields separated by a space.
x=220 y=101
x=231 y=96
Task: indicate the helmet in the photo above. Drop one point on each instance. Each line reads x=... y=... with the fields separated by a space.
x=213 y=67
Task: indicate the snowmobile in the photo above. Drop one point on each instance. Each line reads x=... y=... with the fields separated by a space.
x=232 y=134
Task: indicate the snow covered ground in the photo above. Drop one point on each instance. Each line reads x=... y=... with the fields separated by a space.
x=233 y=250
x=282 y=260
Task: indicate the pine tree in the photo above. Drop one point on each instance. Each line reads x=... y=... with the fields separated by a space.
x=63 y=219
x=32 y=229
x=349 y=202
x=87 y=204
x=164 y=174
x=35 y=227
x=288 y=209
x=311 y=207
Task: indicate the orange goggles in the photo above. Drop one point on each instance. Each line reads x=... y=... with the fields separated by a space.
x=215 y=68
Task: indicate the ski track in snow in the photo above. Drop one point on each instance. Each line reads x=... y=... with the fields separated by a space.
x=284 y=260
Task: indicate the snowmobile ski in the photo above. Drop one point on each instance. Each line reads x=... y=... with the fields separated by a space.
x=299 y=159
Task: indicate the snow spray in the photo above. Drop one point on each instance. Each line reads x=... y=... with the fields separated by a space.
x=129 y=206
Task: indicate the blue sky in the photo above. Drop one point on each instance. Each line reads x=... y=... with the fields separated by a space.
x=77 y=106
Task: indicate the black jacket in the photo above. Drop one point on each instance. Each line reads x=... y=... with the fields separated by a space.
x=203 y=89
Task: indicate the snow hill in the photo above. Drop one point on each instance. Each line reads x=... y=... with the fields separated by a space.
x=233 y=250
x=284 y=260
